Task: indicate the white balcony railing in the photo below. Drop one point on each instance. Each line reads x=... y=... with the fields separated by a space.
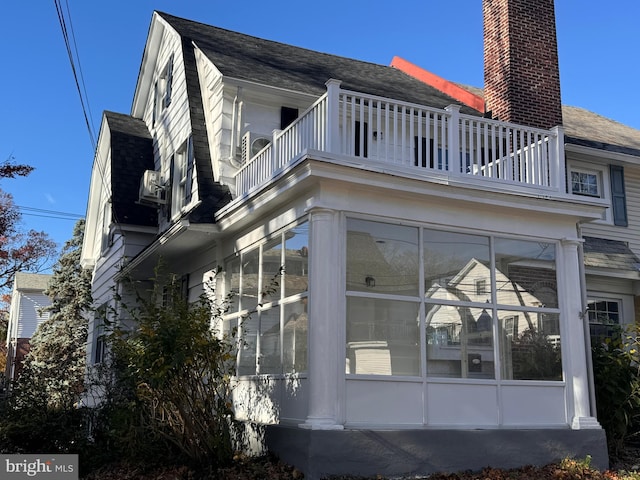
x=416 y=140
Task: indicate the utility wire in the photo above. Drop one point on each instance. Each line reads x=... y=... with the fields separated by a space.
x=39 y=212
x=84 y=99
x=84 y=103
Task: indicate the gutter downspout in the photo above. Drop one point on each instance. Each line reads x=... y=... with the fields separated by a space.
x=236 y=125
x=233 y=123
x=585 y=321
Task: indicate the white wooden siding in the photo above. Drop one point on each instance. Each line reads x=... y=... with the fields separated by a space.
x=172 y=125
x=29 y=315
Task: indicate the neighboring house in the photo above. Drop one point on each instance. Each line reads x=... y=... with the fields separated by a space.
x=26 y=312
x=432 y=313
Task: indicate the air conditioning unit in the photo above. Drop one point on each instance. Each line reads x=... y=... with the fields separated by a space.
x=151 y=188
x=252 y=143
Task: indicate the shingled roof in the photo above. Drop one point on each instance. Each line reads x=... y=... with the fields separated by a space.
x=588 y=129
x=131 y=155
x=610 y=254
x=276 y=64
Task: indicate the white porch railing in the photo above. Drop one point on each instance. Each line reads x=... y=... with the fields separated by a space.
x=415 y=139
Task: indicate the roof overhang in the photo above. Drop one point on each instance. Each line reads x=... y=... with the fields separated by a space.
x=599 y=154
x=312 y=167
x=182 y=239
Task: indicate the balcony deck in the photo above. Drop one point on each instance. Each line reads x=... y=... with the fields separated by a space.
x=381 y=132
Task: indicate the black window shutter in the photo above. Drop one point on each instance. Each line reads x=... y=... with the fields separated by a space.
x=287 y=116
x=170 y=188
x=190 y=164
x=169 y=83
x=618 y=200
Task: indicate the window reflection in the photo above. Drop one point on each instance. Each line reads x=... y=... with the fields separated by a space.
x=382 y=258
x=459 y=263
x=271 y=282
x=530 y=345
x=382 y=337
x=472 y=286
x=525 y=273
x=459 y=342
x=296 y=263
x=295 y=334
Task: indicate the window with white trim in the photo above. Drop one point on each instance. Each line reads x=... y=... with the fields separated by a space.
x=269 y=289
x=604 y=318
x=182 y=177
x=464 y=300
x=600 y=181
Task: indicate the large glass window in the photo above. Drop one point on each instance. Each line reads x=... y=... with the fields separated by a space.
x=382 y=258
x=483 y=302
x=269 y=286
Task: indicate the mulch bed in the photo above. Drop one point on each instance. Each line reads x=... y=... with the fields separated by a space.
x=269 y=468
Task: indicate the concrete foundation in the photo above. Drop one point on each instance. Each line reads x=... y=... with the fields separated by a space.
x=320 y=453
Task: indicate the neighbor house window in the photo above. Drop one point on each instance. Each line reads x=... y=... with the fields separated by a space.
x=269 y=288
x=475 y=297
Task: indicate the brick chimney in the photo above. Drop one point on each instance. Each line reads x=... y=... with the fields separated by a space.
x=521 y=73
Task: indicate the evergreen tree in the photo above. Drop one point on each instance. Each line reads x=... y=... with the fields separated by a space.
x=55 y=366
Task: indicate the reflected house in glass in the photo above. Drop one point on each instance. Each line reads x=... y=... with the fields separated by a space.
x=407 y=269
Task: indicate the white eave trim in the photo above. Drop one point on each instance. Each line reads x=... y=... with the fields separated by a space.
x=598 y=153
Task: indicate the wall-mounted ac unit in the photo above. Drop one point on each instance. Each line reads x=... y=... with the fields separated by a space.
x=151 y=188
x=252 y=143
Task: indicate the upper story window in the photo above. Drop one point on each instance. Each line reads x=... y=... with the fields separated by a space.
x=162 y=89
x=181 y=178
x=586 y=183
x=600 y=181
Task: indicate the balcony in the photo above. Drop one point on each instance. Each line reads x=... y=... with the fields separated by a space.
x=371 y=132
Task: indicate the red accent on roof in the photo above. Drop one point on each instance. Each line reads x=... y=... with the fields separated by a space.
x=445 y=86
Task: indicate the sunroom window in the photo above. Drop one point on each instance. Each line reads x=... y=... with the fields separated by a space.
x=435 y=303
x=269 y=289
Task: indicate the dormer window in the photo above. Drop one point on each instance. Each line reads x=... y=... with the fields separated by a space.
x=162 y=90
x=168 y=79
x=182 y=172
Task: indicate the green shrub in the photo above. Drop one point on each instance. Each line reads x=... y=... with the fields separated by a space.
x=616 y=367
x=173 y=374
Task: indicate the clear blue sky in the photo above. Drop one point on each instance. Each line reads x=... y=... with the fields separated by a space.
x=41 y=120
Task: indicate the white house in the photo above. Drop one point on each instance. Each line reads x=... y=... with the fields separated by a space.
x=425 y=245
x=26 y=312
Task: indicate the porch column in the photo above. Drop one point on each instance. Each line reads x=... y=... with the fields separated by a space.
x=574 y=338
x=324 y=332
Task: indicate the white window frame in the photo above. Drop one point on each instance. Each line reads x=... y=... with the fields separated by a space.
x=180 y=170
x=604 y=184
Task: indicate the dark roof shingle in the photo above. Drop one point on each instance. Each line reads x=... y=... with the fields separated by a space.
x=131 y=155
x=613 y=254
x=280 y=65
